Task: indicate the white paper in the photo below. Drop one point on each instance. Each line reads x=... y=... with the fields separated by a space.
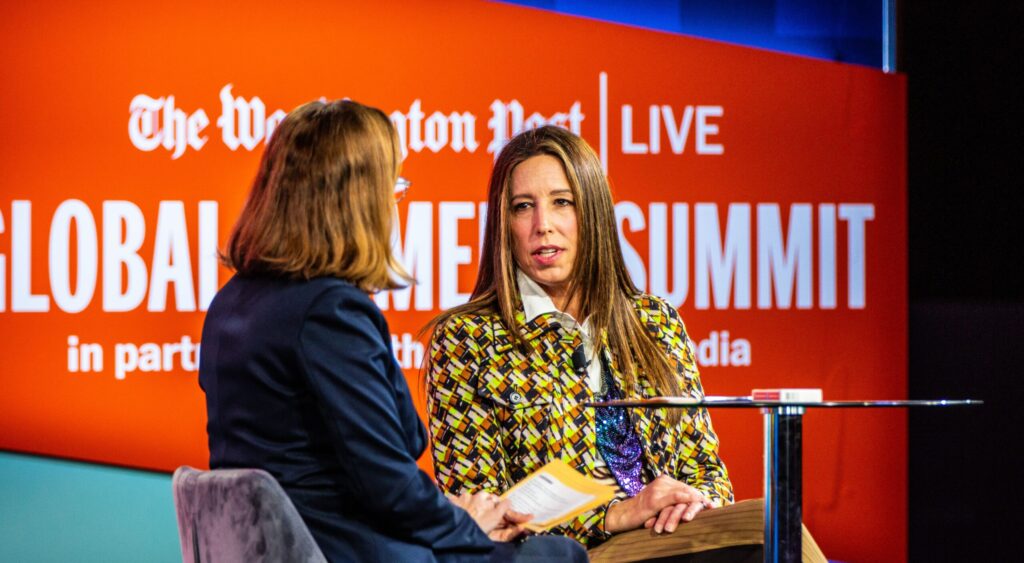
x=546 y=498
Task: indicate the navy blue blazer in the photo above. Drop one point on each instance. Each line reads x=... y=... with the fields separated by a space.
x=300 y=380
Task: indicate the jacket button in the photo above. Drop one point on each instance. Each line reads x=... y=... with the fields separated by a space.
x=515 y=398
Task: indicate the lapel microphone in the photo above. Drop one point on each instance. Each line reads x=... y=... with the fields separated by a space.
x=579 y=361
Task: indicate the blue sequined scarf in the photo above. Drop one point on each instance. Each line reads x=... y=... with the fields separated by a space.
x=616 y=437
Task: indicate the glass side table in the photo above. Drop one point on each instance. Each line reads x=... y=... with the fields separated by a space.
x=783 y=456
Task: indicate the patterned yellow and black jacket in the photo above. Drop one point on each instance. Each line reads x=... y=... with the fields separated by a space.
x=497 y=414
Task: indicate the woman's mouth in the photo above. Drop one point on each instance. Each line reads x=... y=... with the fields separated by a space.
x=546 y=255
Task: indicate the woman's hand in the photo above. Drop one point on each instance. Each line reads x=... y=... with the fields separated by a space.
x=494 y=516
x=661 y=505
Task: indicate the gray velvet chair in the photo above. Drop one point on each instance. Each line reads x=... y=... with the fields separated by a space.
x=242 y=515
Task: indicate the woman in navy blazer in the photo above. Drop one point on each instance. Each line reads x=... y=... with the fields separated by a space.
x=297 y=365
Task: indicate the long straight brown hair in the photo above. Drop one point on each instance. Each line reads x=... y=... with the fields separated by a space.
x=599 y=282
x=322 y=203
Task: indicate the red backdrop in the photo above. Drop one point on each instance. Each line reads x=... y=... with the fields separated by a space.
x=770 y=208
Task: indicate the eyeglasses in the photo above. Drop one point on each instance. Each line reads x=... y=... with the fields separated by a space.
x=401 y=188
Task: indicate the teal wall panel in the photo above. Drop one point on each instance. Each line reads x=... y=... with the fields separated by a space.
x=57 y=510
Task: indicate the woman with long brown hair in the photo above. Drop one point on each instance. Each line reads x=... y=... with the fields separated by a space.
x=553 y=322
x=297 y=365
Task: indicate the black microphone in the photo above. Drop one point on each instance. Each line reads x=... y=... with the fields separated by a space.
x=579 y=361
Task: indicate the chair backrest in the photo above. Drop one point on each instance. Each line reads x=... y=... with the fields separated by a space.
x=243 y=515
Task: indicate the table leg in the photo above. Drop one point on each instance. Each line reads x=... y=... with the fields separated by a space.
x=783 y=483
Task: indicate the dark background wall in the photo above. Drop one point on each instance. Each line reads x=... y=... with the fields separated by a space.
x=966 y=158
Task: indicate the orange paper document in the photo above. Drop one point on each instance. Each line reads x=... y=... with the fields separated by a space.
x=556 y=493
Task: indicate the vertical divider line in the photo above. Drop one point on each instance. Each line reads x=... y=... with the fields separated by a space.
x=603 y=119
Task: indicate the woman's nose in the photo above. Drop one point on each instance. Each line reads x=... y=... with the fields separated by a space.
x=541 y=220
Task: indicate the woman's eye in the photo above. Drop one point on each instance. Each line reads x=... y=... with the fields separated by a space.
x=564 y=202
x=521 y=205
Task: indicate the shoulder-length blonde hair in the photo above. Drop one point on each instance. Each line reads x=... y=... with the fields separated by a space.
x=599 y=283
x=322 y=203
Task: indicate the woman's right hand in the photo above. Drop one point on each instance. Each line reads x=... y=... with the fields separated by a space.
x=661 y=504
x=494 y=516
